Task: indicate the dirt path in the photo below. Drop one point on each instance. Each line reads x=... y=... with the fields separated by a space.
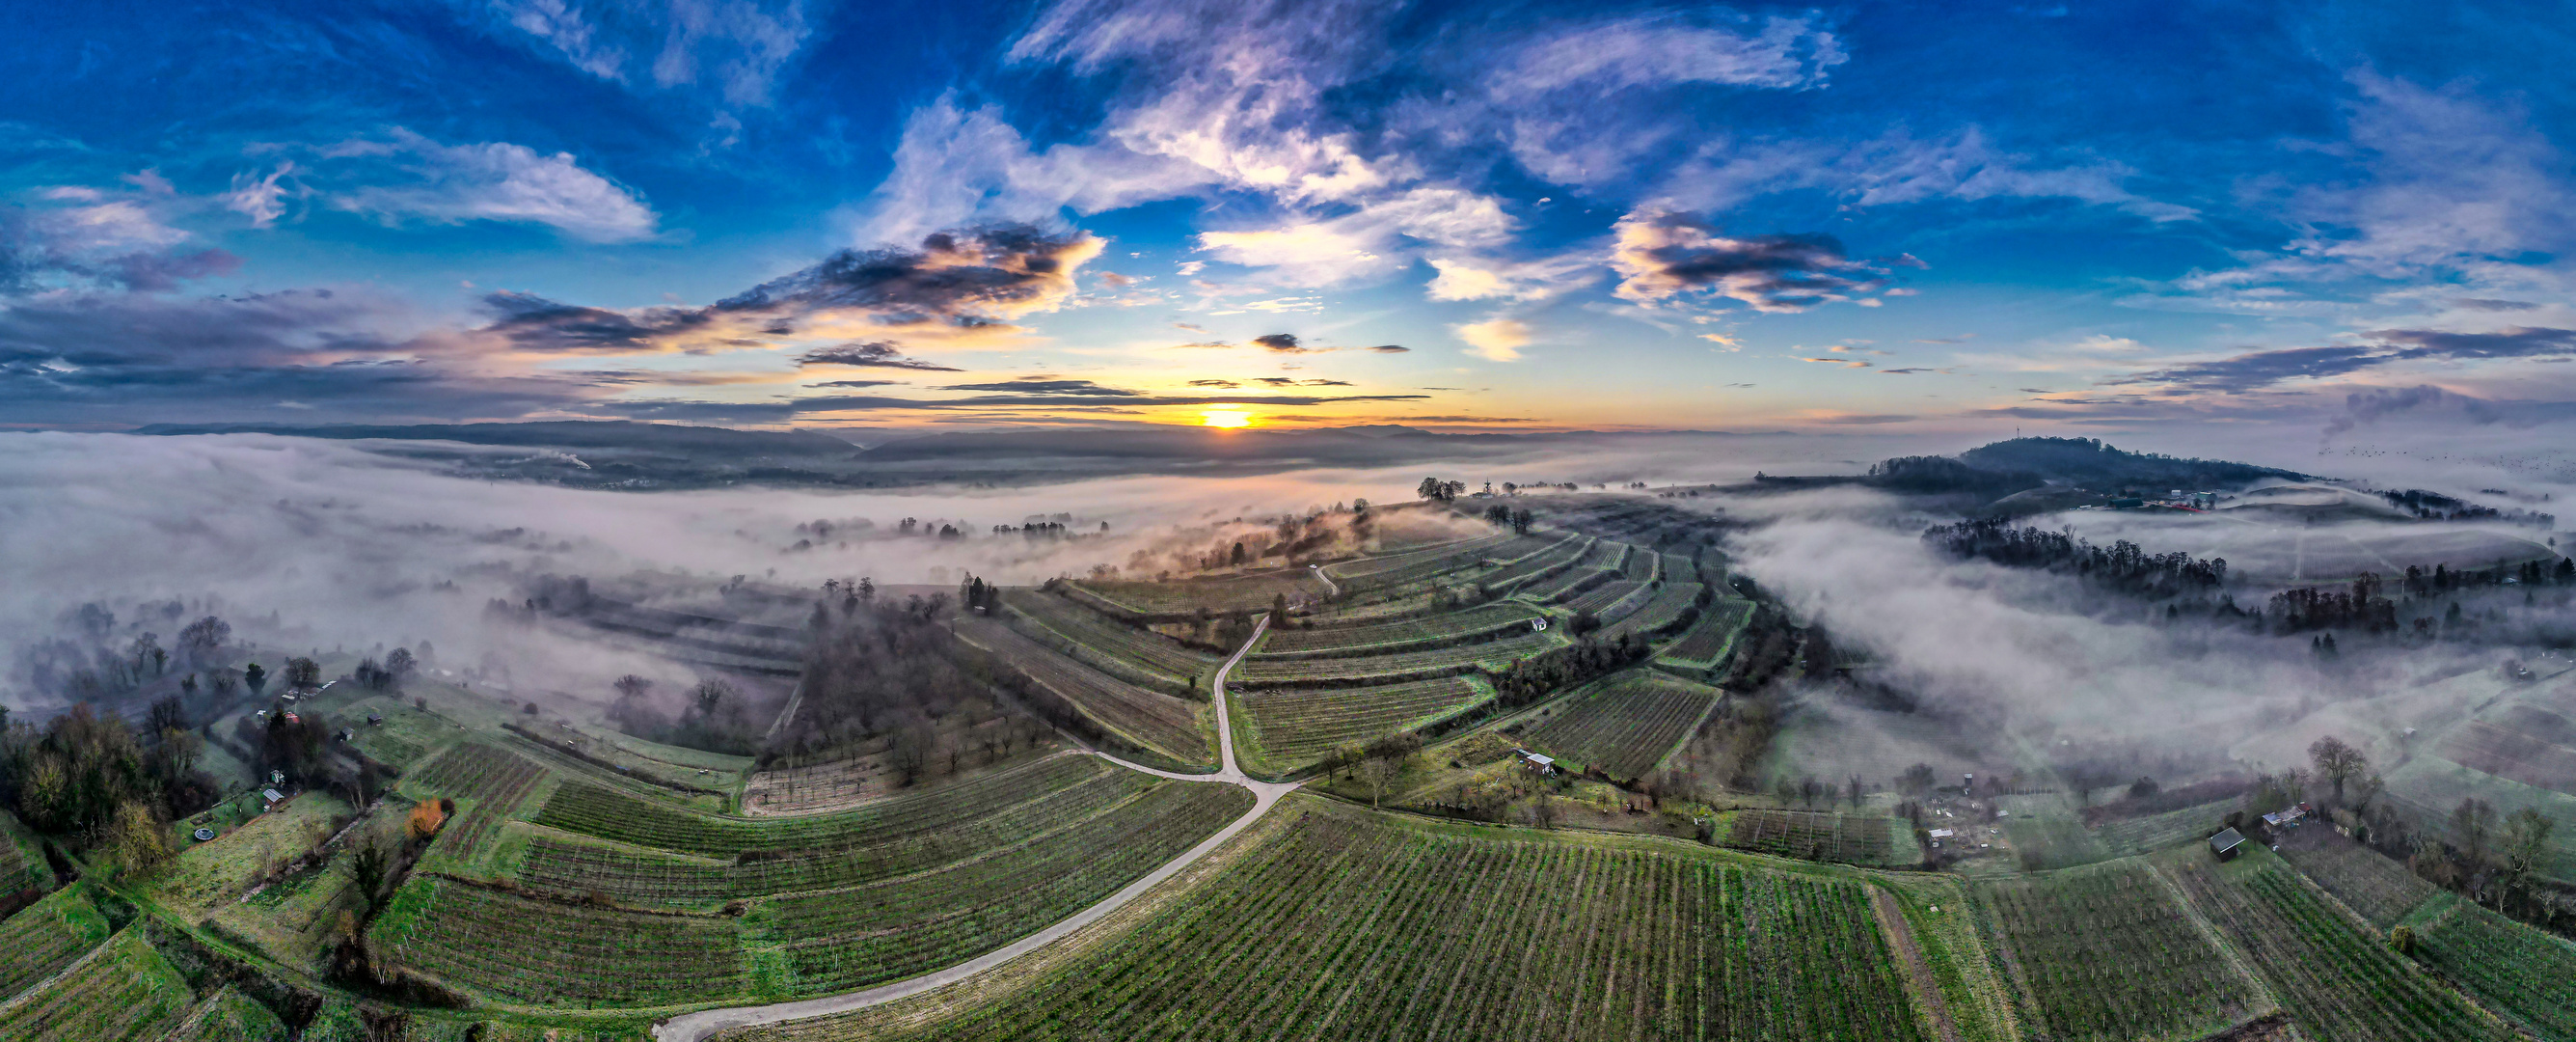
x=692 y=1027
x=1918 y=975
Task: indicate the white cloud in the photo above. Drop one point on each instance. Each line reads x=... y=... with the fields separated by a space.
x=1896 y=169
x=955 y=168
x=1495 y=339
x=2449 y=188
x=738 y=48
x=262 y=199
x=492 y=181
x=1654 y=50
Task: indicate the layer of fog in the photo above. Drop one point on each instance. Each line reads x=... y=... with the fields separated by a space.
x=306 y=545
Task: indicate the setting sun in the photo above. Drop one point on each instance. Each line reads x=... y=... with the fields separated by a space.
x=1228 y=418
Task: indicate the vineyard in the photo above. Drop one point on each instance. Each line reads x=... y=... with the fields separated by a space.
x=1663 y=611
x=887 y=905
x=487 y=783
x=1567 y=584
x=1709 y=641
x=1378 y=573
x=1611 y=601
x=2105 y=953
x=2528 y=974
x=1539 y=565
x=228 y=1016
x=20 y=866
x=1139 y=656
x=1623 y=726
x=1450 y=628
x=1172 y=599
x=1851 y=839
x=1152 y=720
x=853 y=857
x=2378 y=887
x=1389 y=668
x=2339 y=984
x=556 y=953
x=1345 y=926
x=1293 y=727
x=44 y=937
x=606 y=814
x=122 y=990
x=847 y=939
x=1643 y=565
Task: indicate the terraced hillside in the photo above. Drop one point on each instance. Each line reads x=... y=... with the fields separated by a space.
x=623 y=900
x=1709 y=642
x=1429 y=631
x=1181 y=600
x=1150 y=720
x=1290 y=728
x=1344 y=925
x=1672 y=603
x=1138 y=656
x=1625 y=725
x=1383 y=669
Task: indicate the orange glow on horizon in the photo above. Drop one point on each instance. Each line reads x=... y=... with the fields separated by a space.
x=1226 y=418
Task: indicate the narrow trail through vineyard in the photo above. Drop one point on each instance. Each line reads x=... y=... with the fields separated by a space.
x=692 y=1027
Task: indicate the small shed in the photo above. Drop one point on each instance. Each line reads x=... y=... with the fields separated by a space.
x=2224 y=844
x=1536 y=762
x=272 y=796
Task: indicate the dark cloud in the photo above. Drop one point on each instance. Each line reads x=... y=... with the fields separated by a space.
x=878 y=354
x=1862 y=421
x=161 y=273
x=2264 y=368
x=2509 y=342
x=1390 y=349
x=855 y=383
x=2260 y=369
x=1662 y=255
x=974 y=274
x=697 y=412
x=1281 y=342
x=1290 y=381
x=112 y=359
x=1206 y=343
x=1214 y=383
x=1907 y=371
x=2492 y=304
x=1041 y=385
x=845 y=403
x=538 y=324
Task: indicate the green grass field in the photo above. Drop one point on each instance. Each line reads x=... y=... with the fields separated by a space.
x=2148 y=833
x=228 y=1016
x=1338 y=924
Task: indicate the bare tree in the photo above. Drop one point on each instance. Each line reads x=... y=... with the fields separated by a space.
x=1378 y=771
x=2337 y=761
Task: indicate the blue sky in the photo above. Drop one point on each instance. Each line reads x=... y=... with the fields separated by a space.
x=1467 y=216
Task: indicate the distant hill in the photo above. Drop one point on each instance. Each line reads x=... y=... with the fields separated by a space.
x=554 y=434
x=2026 y=475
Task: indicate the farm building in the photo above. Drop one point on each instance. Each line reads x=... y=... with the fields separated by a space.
x=2225 y=843
x=2288 y=815
x=1536 y=762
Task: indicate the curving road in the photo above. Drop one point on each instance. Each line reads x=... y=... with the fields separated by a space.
x=692 y=1027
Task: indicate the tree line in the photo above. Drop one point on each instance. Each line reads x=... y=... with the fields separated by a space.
x=2123 y=565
